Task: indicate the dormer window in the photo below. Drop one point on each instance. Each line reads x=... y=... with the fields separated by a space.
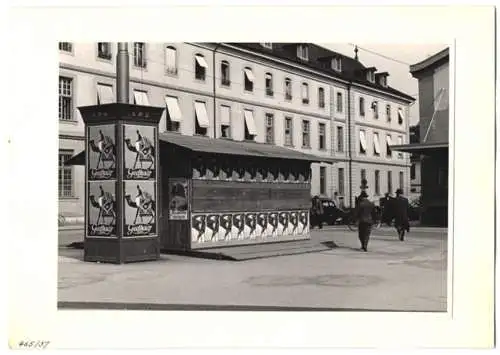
x=370 y=76
x=267 y=45
x=303 y=52
x=337 y=64
x=383 y=81
x=382 y=78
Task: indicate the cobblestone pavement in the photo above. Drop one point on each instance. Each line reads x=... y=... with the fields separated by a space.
x=393 y=275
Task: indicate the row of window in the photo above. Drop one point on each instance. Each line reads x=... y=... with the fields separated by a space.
x=375 y=109
x=376 y=144
x=340 y=181
x=389 y=180
x=104 y=51
x=200 y=72
x=174 y=119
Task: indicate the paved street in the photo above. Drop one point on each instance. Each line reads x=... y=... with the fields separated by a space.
x=393 y=275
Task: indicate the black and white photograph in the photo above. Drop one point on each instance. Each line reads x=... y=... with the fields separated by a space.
x=366 y=135
x=333 y=187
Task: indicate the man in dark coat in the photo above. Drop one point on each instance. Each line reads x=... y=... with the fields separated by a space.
x=386 y=204
x=401 y=221
x=316 y=213
x=365 y=215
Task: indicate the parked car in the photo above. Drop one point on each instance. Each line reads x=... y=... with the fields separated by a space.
x=331 y=213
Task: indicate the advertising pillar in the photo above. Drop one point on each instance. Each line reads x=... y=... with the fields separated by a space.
x=121 y=180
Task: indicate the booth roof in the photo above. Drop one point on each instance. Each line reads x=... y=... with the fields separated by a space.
x=224 y=146
x=421 y=148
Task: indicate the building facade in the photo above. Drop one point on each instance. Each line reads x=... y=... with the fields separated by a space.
x=296 y=95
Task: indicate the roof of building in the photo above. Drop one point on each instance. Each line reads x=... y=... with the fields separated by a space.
x=224 y=146
x=433 y=59
x=352 y=70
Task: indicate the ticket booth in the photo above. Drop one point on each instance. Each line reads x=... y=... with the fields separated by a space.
x=218 y=192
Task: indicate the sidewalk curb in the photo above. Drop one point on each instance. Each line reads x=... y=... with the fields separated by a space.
x=69 y=227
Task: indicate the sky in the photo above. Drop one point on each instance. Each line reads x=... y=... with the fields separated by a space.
x=402 y=56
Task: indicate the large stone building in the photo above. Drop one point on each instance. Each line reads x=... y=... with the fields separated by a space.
x=297 y=95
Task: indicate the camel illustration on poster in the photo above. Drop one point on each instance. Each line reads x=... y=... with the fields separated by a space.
x=102 y=152
x=139 y=152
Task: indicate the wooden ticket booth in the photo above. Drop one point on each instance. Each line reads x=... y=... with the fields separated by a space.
x=218 y=192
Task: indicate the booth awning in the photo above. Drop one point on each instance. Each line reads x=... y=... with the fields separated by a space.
x=421 y=148
x=223 y=146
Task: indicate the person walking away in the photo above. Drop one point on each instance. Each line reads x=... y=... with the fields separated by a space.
x=386 y=203
x=316 y=213
x=401 y=220
x=365 y=216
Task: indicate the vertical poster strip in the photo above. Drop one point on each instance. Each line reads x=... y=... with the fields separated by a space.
x=101 y=152
x=178 y=190
x=101 y=209
x=139 y=152
x=198 y=226
x=140 y=209
x=225 y=227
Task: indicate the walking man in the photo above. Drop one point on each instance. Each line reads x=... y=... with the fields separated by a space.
x=316 y=213
x=401 y=221
x=365 y=216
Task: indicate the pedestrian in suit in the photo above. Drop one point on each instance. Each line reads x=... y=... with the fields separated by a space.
x=366 y=217
x=386 y=204
x=401 y=220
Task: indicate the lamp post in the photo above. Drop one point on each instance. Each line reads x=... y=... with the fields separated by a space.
x=121 y=176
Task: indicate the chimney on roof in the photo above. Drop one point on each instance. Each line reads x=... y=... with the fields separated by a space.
x=356 y=53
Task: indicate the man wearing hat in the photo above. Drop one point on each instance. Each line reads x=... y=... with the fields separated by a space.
x=366 y=217
x=401 y=221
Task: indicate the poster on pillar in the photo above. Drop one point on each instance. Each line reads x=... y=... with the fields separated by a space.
x=101 y=145
x=101 y=209
x=178 y=199
x=140 y=208
x=139 y=152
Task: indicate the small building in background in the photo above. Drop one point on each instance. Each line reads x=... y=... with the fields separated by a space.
x=415 y=169
x=433 y=82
